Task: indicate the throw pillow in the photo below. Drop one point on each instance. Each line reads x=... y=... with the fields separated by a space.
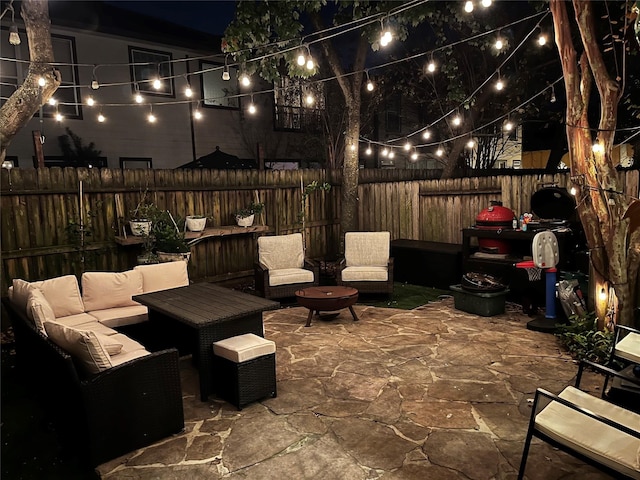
x=39 y=310
x=82 y=345
x=113 y=347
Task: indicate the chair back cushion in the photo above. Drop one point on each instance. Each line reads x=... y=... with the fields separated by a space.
x=101 y=290
x=366 y=249
x=39 y=310
x=84 y=345
x=162 y=276
x=63 y=294
x=281 y=251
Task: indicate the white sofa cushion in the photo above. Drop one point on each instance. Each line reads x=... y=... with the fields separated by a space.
x=20 y=293
x=163 y=276
x=281 y=251
x=101 y=290
x=125 y=357
x=629 y=347
x=287 y=276
x=39 y=310
x=245 y=347
x=121 y=316
x=365 y=274
x=82 y=345
x=63 y=294
x=85 y=321
x=590 y=437
x=370 y=249
x=109 y=342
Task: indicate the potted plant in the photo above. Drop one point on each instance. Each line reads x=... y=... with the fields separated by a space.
x=170 y=242
x=196 y=223
x=245 y=216
x=142 y=217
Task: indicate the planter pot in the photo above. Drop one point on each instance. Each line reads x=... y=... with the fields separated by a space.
x=146 y=259
x=245 y=221
x=196 y=224
x=140 y=228
x=173 y=257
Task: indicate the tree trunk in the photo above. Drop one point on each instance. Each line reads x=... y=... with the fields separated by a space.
x=613 y=247
x=349 y=211
x=27 y=99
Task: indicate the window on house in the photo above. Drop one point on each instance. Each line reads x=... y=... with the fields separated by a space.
x=136 y=162
x=293 y=111
x=67 y=96
x=148 y=66
x=217 y=92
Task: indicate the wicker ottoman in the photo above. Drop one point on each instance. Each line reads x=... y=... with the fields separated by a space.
x=244 y=369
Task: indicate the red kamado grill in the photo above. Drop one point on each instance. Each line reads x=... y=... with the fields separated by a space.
x=495 y=217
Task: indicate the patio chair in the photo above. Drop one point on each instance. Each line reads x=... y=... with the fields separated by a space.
x=590 y=428
x=366 y=265
x=282 y=268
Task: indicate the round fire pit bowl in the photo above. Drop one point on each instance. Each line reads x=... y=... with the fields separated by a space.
x=327 y=299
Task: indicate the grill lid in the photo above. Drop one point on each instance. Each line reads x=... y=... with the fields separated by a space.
x=553 y=202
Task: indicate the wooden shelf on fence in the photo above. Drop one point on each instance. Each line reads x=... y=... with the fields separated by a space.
x=195 y=237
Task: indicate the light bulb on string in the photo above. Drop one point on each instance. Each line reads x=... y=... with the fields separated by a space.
x=471 y=143
x=499 y=45
x=368 y=151
x=553 y=95
x=151 y=117
x=431 y=66
x=252 y=107
x=52 y=101
x=310 y=99
x=90 y=101
x=457 y=120
x=94 y=79
x=385 y=152
x=42 y=82
x=188 y=91
x=245 y=81
x=391 y=154
x=542 y=39
x=486 y=3
x=414 y=155
x=407 y=145
x=385 y=35
x=370 y=86
x=101 y=118
x=157 y=83
x=302 y=59
x=225 y=73
x=197 y=114
x=499 y=84
x=14 y=36
x=310 y=64
x=508 y=126
x=439 y=151
x=138 y=98
x=58 y=116
x=468 y=6
x=426 y=134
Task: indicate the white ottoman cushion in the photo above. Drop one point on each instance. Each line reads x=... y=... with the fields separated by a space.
x=245 y=347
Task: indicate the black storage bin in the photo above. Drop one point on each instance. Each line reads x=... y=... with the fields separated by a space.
x=245 y=382
x=432 y=264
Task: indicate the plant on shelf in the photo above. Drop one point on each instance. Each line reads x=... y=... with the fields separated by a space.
x=141 y=217
x=170 y=242
x=196 y=223
x=245 y=216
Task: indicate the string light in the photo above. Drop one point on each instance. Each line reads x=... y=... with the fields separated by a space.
x=14 y=36
x=370 y=86
x=385 y=152
x=457 y=120
x=197 y=114
x=426 y=134
x=252 y=107
x=508 y=126
x=94 y=79
x=245 y=81
x=52 y=101
x=391 y=154
x=90 y=101
x=310 y=64
x=499 y=44
x=431 y=66
x=499 y=83
x=468 y=6
x=151 y=117
x=101 y=118
x=414 y=155
x=471 y=143
x=385 y=35
x=368 y=151
x=157 y=84
x=439 y=151
x=225 y=73
x=59 y=116
x=42 y=82
x=188 y=92
x=553 y=95
x=301 y=60
x=486 y=3
x=542 y=39
x=310 y=99
x=407 y=145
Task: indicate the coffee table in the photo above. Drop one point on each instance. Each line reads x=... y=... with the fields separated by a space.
x=203 y=313
x=327 y=299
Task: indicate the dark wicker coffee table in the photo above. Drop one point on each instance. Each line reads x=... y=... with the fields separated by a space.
x=327 y=299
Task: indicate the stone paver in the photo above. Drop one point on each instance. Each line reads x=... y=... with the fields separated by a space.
x=431 y=393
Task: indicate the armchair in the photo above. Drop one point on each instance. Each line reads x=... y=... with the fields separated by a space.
x=281 y=268
x=587 y=427
x=366 y=265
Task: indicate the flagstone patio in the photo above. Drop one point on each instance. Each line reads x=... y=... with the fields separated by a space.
x=430 y=393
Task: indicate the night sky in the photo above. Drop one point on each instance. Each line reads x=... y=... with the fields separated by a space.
x=211 y=16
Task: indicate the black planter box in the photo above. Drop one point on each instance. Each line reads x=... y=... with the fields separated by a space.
x=432 y=264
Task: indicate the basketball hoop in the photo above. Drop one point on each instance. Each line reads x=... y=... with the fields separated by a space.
x=534 y=273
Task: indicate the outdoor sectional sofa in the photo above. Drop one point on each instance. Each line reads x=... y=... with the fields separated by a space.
x=105 y=393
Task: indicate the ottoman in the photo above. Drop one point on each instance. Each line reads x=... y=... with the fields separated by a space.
x=244 y=369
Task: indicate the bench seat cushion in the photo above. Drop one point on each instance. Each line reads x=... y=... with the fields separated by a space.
x=590 y=437
x=365 y=274
x=287 y=276
x=84 y=321
x=629 y=347
x=121 y=316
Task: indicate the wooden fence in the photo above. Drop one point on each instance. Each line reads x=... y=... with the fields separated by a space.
x=40 y=207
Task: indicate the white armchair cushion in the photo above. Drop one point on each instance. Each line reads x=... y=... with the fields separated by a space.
x=281 y=251
x=629 y=347
x=20 y=293
x=163 y=276
x=63 y=294
x=84 y=345
x=368 y=249
x=365 y=274
x=101 y=290
x=287 y=276
x=590 y=437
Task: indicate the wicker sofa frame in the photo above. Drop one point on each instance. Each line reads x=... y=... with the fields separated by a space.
x=283 y=291
x=368 y=287
x=100 y=417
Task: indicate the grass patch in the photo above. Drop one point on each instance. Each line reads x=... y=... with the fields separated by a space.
x=405 y=296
